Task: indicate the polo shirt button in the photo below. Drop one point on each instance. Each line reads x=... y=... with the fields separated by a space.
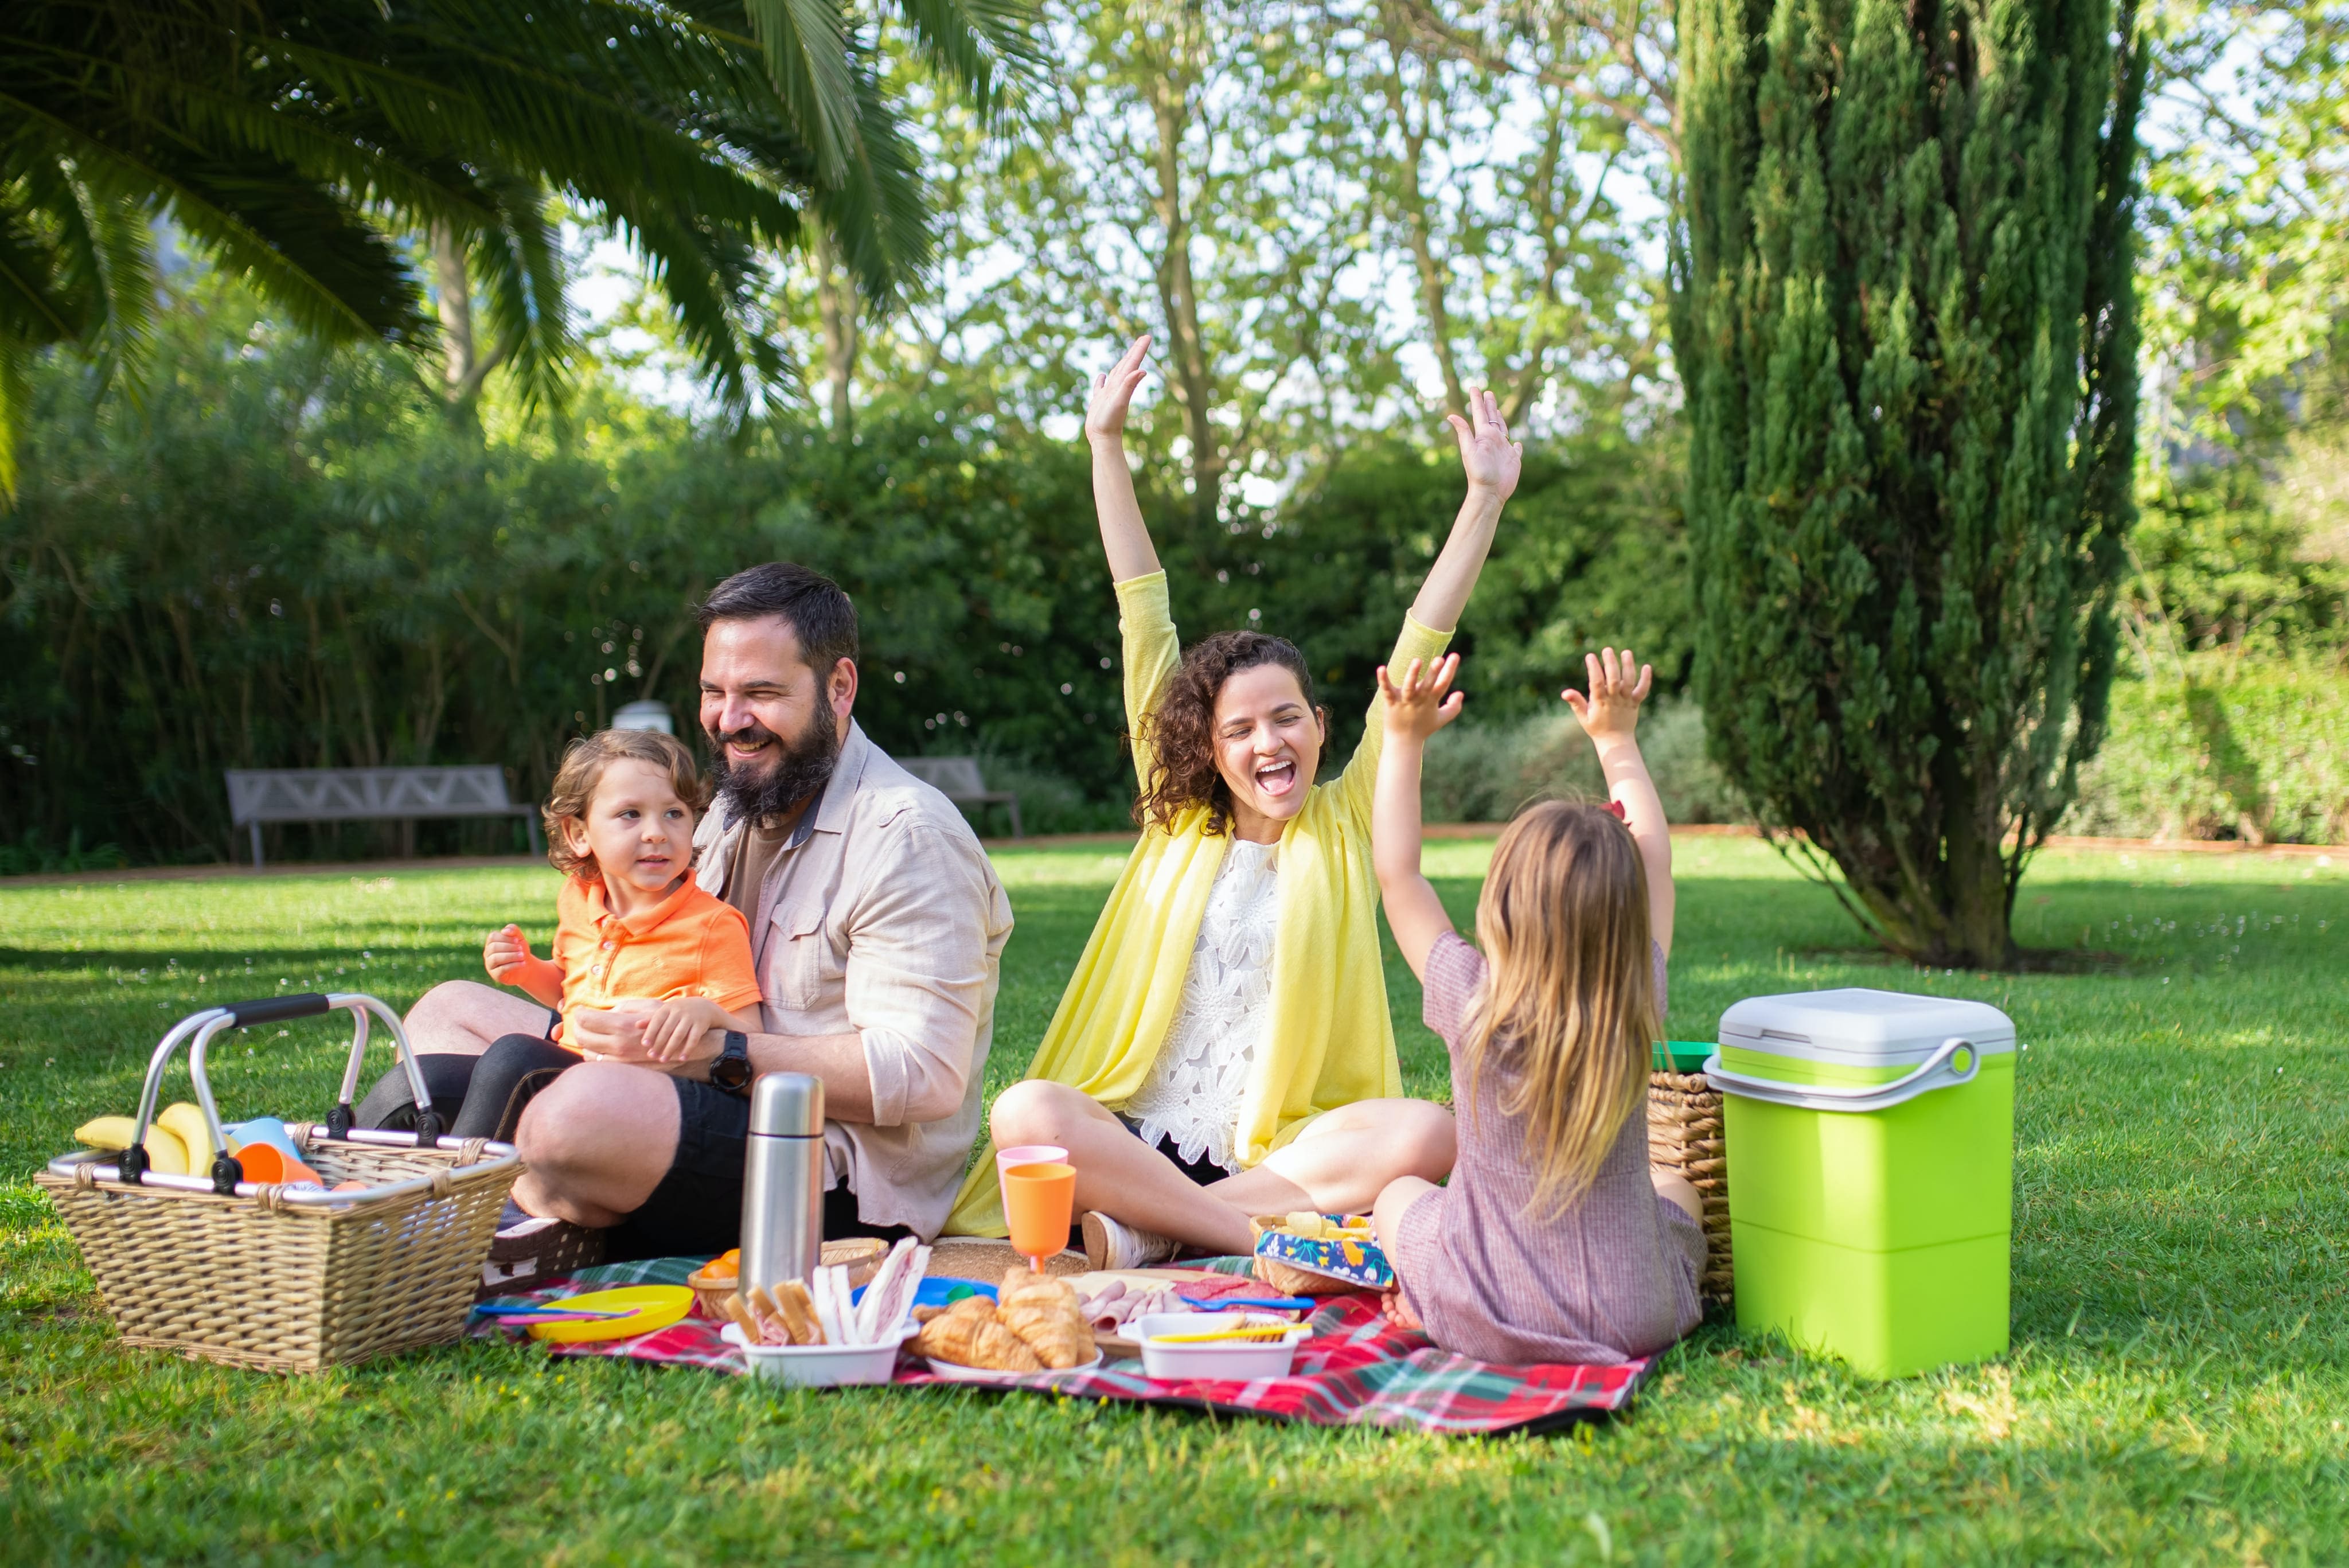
x=607 y=947
x=596 y=969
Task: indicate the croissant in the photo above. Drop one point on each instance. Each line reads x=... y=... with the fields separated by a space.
x=1048 y=1316
x=969 y=1335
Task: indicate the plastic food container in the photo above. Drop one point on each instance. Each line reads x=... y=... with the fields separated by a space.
x=1871 y=1138
x=1236 y=1359
x=821 y=1365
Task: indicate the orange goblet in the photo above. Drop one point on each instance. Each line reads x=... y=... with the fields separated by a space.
x=1038 y=1199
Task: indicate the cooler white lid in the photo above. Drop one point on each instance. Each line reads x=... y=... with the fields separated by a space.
x=1863 y=1027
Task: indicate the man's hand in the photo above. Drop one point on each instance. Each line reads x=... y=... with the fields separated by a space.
x=1113 y=393
x=1491 y=460
x=1611 y=711
x=673 y=1036
x=1417 y=706
x=506 y=950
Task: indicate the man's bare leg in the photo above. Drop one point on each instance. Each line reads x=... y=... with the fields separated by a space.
x=597 y=1141
x=465 y=1018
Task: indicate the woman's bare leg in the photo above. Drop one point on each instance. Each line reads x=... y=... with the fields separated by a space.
x=1344 y=1158
x=1117 y=1173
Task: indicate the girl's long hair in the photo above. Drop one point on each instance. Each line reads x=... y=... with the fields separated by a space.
x=1567 y=1009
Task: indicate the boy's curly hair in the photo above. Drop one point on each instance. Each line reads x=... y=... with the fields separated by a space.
x=584 y=761
x=1180 y=733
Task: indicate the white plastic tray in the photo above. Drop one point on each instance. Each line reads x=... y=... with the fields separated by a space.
x=1238 y=1360
x=821 y=1365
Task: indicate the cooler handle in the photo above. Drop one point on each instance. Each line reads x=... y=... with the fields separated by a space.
x=1936 y=1072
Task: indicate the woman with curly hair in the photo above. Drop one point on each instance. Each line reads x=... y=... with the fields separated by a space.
x=1224 y=1047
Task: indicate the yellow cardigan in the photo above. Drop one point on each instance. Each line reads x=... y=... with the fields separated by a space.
x=1328 y=1041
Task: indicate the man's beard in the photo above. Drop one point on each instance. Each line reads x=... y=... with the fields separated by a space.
x=801 y=768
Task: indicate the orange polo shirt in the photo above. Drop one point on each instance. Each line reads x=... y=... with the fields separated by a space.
x=689 y=944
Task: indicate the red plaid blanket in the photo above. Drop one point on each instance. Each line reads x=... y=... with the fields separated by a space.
x=1358 y=1369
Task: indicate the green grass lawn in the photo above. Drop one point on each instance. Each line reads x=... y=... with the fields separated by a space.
x=2177 y=1390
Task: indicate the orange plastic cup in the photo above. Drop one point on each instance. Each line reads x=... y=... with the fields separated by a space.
x=1039 y=1201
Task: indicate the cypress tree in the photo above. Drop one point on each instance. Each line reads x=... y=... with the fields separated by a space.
x=1905 y=325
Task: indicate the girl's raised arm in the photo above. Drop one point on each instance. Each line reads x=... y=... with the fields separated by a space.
x=1416 y=707
x=1125 y=538
x=1611 y=716
x=1491 y=461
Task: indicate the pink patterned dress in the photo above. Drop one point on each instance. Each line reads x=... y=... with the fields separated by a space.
x=1612 y=1278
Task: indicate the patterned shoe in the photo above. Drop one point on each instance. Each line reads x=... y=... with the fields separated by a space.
x=1112 y=1245
x=533 y=1249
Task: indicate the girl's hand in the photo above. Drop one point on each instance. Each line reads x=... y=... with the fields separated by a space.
x=1113 y=392
x=1491 y=459
x=1417 y=707
x=1611 y=711
x=505 y=950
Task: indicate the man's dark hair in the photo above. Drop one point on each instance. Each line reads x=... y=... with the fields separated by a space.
x=809 y=603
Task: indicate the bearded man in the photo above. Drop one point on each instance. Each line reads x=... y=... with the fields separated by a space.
x=876 y=930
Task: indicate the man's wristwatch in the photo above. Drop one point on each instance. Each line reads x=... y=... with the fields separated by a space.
x=730 y=1070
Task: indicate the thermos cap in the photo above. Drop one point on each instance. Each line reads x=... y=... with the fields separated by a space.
x=787 y=1104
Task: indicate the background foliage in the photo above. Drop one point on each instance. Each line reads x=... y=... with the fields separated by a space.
x=1332 y=215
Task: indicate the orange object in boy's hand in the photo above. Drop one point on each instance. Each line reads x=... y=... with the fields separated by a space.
x=506 y=950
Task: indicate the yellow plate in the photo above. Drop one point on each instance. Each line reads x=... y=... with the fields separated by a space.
x=650 y=1308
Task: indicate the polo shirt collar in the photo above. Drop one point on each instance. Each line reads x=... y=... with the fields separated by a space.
x=644 y=920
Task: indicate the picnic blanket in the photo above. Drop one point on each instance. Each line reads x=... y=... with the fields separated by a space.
x=1357 y=1369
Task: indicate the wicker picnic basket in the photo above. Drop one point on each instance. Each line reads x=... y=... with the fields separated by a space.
x=1684 y=1137
x=289 y=1279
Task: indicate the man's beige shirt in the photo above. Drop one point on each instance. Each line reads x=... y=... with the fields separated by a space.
x=883 y=917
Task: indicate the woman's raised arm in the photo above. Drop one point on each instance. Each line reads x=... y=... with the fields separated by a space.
x=1125 y=538
x=1491 y=461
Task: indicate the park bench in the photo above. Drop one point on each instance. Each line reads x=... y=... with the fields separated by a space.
x=957 y=779
x=258 y=795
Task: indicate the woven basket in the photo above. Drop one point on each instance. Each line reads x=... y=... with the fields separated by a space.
x=283 y=1279
x=256 y=1281
x=1684 y=1137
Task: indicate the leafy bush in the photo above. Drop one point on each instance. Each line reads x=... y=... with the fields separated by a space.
x=1488 y=771
x=2224 y=750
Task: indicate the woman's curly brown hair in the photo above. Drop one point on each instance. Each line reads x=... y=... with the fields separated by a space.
x=1180 y=733
x=584 y=761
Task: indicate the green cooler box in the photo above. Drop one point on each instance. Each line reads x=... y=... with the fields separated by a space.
x=1871 y=1141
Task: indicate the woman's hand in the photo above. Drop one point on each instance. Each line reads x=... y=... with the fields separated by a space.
x=1418 y=706
x=1611 y=711
x=1113 y=393
x=1491 y=459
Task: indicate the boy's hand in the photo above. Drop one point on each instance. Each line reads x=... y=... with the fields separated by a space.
x=673 y=1028
x=1490 y=458
x=1113 y=392
x=505 y=950
x=1417 y=706
x=1611 y=711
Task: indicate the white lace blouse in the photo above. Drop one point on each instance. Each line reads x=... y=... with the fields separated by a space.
x=1192 y=1092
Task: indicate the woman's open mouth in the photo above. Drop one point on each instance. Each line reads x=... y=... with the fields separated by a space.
x=1276 y=779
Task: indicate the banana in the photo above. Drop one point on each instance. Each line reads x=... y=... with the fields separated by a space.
x=165 y=1154
x=188 y=1122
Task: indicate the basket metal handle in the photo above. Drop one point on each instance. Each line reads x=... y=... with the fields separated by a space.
x=226 y=1171
x=1936 y=1072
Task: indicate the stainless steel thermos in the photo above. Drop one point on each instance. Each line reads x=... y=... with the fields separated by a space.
x=783 y=1180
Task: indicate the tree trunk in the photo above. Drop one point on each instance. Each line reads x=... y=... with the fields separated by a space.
x=836 y=306
x=463 y=366
x=1192 y=382
x=1412 y=202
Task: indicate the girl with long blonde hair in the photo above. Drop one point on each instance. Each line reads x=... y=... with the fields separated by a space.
x=1553 y=1243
